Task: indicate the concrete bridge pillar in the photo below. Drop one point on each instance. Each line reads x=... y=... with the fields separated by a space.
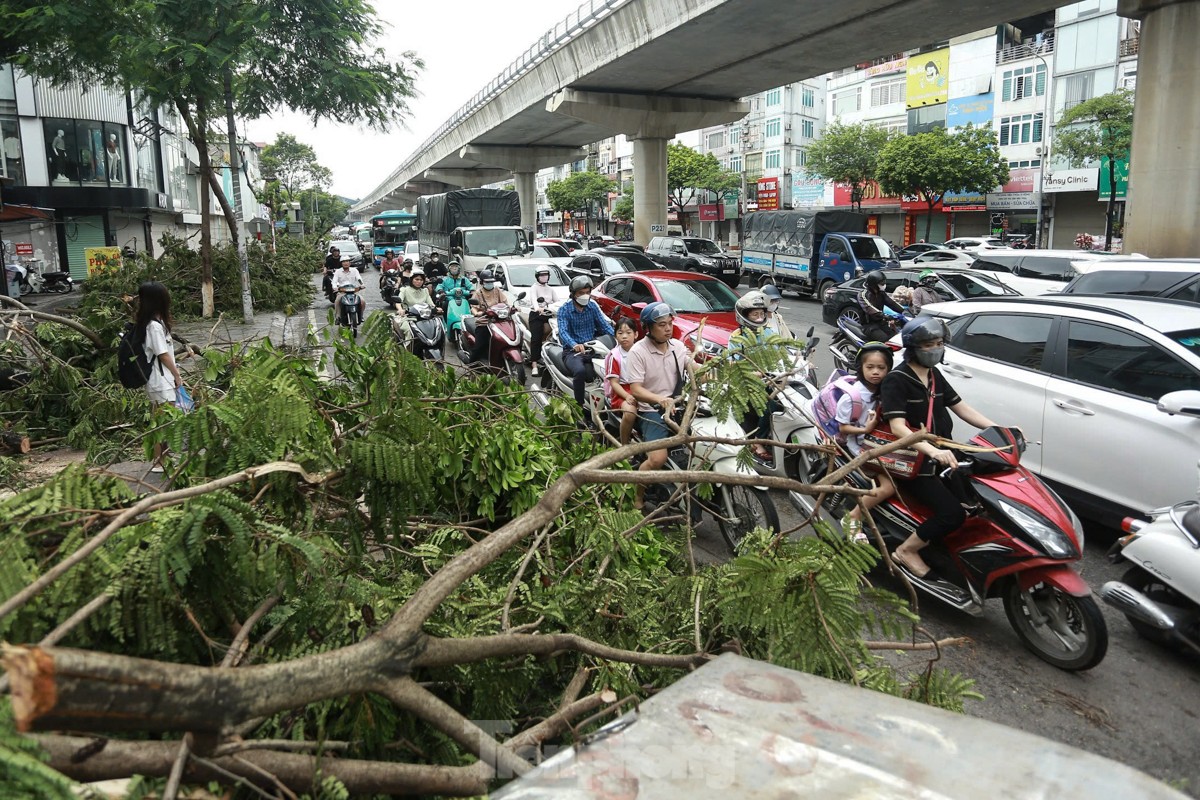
x=524 y=163
x=1164 y=166
x=650 y=121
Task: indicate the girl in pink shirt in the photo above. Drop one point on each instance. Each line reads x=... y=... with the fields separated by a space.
x=616 y=391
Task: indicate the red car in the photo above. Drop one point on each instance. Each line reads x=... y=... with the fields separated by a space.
x=694 y=297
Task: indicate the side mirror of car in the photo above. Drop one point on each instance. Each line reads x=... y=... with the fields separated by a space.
x=1186 y=402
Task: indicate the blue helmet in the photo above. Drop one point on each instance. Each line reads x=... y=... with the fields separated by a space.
x=655 y=311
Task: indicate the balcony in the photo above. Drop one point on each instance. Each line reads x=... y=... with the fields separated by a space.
x=1028 y=49
x=1129 y=47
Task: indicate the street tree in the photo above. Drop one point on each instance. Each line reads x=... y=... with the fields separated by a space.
x=341 y=575
x=927 y=165
x=623 y=209
x=686 y=172
x=848 y=154
x=294 y=165
x=579 y=190
x=213 y=58
x=1097 y=129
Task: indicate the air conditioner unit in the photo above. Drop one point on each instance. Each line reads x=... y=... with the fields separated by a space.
x=787 y=126
x=787 y=140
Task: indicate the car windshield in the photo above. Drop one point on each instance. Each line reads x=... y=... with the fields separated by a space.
x=549 y=250
x=701 y=246
x=1126 y=282
x=523 y=274
x=498 y=242
x=968 y=285
x=1189 y=339
x=870 y=247
x=345 y=246
x=615 y=264
x=696 y=297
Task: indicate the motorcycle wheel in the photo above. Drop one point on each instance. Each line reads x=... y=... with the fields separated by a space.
x=514 y=372
x=1162 y=594
x=1074 y=636
x=25 y=289
x=62 y=288
x=754 y=509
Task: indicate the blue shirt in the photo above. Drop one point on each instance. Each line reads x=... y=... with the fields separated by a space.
x=579 y=326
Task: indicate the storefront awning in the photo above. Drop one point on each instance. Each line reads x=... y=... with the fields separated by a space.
x=11 y=212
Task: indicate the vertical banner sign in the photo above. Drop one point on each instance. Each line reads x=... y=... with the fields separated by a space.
x=928 y=80
x=102 y=259
x=768 y=194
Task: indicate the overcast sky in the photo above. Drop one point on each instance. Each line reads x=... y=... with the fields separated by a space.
x=464 y=43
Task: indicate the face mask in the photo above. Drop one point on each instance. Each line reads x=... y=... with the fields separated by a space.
x=489 y=285
x=771 y=309
x=583 y=299
x=930 y=358
x=543 y=279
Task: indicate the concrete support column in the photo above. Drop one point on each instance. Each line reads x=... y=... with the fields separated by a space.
x=649 y=188
x=526 y=184
x=1164 y=166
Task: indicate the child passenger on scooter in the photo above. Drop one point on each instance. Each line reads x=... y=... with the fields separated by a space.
x=616 y=391
x=873 y=362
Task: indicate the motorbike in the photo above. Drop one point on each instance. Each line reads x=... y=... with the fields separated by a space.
x=850 y=337
x=352 y=308
x=548 y=306
x=1019 y=546
x=737 y=509
x=421 y=331
x=504 y=351
x=457 y=309
x=389 y=286
x=557 y=378
x=31 y=282
x=1160 y=592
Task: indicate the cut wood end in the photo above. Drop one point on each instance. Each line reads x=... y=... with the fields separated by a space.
x=608 y=696
x=31 y=682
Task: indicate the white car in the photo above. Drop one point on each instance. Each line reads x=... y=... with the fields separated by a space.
x=552 y=252
x=1035 y=272
x=412 y=250
x=1090 y=380
x=945 y=258
x=974 y=243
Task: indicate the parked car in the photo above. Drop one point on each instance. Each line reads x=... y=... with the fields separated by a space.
x=598 y=265
x=1178 y=279
x=693 y=254
x=976 y=243
x=945 y=256
x=627 y=246
x=569 y=244
x=1087 y=380
x=600 y=240
x=348 y=247
x=915 y=249
x=1034 y=272
x=552 y=252
x=694 y=297
x=954 y=283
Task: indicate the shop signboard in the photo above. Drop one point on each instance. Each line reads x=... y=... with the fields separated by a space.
x=1122 y=172
x=23 y=248
x=102 y=259
x=1011 y=201
x=887 y=67
x=872 y=196
x=928 y=80
x=1020 y=180
x=711 y=212
x=768 y=194
x=964 y=201
x=811 y=193
x=1070 y=180
x=976 y=110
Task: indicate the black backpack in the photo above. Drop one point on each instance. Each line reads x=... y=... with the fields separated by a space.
x=133 y=368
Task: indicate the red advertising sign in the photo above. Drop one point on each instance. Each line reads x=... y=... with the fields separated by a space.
x=768 y=194
x=872 y=196
x=23 y=248
x=711 y=212
x=1020 y=180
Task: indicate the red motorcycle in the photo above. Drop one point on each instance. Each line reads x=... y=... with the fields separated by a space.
x=1019 y=546
x=506 y=336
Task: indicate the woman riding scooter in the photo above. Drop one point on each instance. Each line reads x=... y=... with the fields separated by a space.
x=487 y=295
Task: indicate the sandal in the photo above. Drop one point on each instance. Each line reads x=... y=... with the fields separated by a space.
x=907 y=567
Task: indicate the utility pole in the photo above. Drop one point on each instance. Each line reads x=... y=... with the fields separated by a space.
x=235 y=166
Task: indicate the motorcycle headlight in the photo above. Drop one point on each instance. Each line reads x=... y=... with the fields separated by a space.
x=1057 y=544
x=709 y=348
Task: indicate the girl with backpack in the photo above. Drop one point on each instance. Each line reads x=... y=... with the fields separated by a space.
x=857 y=415
x=153 y=327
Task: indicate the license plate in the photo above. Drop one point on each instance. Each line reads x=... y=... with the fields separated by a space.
x=730 y=271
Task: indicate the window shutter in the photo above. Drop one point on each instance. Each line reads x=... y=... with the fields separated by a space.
x=1040 y=82
x=1007 y=94
x=1003 y=132
x=1037 y=127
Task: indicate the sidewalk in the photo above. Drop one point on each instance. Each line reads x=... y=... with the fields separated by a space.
x=280 y=328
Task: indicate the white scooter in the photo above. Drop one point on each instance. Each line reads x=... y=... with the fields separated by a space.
x=1160 y=593
x=556 y=378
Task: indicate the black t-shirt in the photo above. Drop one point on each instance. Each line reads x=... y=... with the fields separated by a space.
x=902 y=395
x=332 y=262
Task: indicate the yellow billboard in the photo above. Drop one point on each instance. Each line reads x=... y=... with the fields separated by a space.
x=928 y=78
x=102 y=259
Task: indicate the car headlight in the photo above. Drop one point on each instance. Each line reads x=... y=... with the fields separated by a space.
x=709 y=348
x=1053 y=540
x=708 y=262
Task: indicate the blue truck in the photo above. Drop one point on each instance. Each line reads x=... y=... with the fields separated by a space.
x=810 y=251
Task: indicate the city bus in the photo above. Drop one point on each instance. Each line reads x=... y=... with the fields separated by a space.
x=391 y=230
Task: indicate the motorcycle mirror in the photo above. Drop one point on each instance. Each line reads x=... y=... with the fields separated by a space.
x=811 y=330
x=521 y=296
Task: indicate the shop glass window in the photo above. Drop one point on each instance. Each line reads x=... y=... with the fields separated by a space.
x=1024 y=82
x=847 y=101
x=1020 y=129
x=926 y=118
x=11 y=165
x=85 y=152
x=1121 y=362
x=1016 y=339
x=716 y=140
x=735 y=163
x=806 y=128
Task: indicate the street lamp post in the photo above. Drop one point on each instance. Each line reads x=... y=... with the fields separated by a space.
x=1043 y=150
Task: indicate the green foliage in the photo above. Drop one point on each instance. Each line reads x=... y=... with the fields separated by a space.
x=293 y=164
x=278 y=280
x=23 y=772
x=623 y=209
x=689 y=171
x=849 y=154
x=927 y=165
x=1099 y=128
x=578 y=190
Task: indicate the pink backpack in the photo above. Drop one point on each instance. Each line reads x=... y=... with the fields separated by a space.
x=840 y=383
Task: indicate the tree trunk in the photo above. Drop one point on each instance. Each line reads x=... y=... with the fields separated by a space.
x=239 y=215
x=207 y=307
x=14 y=442
x=1112 y=202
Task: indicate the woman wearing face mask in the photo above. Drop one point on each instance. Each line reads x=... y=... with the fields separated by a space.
x=579 y=322
x=539 y=316
x=487 y=295
x=912 y=395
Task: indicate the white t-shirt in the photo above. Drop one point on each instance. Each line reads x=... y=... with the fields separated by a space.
x=343 y=278
x=845 y=407
x=161 y=384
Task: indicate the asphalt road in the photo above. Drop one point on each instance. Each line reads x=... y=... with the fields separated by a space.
x=1140 y=706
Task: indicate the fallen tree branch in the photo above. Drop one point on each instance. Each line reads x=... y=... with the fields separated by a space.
x=446 y=652
x=70 y=323
x=953 y=641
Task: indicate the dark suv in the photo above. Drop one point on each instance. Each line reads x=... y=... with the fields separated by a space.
x=695 y=255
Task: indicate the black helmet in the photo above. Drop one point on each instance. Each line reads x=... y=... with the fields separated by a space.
x=875 y=347
x=747 y=303
x=580 y=283
x=487 y=276
x=875 y=279
x=923 y=329
x=388 y=253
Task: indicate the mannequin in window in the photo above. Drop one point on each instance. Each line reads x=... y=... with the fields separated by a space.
x=58 y=156
x=116 y=166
